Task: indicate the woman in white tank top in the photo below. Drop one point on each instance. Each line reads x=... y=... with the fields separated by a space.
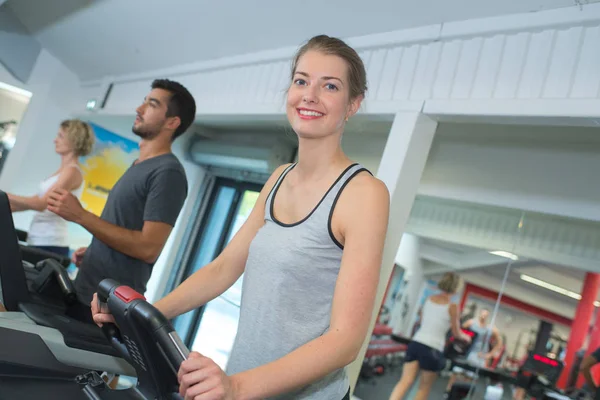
x=48 y=231
x=425 y=352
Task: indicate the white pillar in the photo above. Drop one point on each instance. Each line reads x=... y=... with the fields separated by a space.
x=396 y=284
x=401 y=167
x=406 y=308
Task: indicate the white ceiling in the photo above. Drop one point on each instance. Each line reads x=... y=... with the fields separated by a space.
x=112 y=37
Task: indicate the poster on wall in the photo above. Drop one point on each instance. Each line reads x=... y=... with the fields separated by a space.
x=111 y=157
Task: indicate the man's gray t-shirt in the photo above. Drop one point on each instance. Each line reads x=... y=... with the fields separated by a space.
x=151 y=190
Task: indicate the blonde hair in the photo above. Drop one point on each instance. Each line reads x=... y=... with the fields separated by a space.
x=451 y=282
x=80 y=134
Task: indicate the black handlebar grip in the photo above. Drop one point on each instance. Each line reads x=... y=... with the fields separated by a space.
x=104 y=289
x=64 y=282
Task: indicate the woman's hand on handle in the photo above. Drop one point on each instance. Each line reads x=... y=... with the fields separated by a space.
x=200 y=378
x=100 y=315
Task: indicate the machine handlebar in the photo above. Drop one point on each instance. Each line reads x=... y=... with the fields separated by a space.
x=146 y=338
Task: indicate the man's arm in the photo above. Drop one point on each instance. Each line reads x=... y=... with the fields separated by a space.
x=144 y=245
x=166 y=194
x=495 y=352
x=467 y=324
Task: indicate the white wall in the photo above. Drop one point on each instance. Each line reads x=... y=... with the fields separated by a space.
x=7 y=77
x=366 y=149
x=532 y=174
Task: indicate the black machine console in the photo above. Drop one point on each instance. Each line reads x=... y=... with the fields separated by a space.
x=539 y=374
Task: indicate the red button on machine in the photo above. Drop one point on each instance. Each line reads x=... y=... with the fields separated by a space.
x=127 y=294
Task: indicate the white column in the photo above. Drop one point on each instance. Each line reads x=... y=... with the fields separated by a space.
x=401 y=167
x=396 y=284
x=405 y=308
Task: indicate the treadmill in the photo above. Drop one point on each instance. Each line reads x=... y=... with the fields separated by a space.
x=71 y=342
x=141 y=334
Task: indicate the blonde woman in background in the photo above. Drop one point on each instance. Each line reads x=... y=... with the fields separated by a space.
x=48 y=231
x=425 y=351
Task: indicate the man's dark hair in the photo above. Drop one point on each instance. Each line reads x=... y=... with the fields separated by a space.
x=181 y=104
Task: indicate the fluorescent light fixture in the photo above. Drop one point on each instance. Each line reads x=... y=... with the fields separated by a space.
x=9 y=136
x=505 y=254
x=91 y=104
x=15 y=89
x=554 y=288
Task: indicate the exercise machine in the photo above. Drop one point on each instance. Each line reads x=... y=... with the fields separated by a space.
x=46 y=281
x=537 y=376
x=457 y=349
x=141 y=334
x=385 y=351
x=72 y=343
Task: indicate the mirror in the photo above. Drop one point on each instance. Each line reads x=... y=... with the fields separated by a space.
x=451 y=229
x=511 y=209
x=547 y=310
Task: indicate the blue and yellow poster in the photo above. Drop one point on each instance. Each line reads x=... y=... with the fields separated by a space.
x=111 y=157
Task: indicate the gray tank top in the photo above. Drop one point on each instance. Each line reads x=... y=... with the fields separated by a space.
x=287 y=290
x=484 y=334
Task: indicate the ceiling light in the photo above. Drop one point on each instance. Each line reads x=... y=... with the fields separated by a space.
x=15 y=89
x=91 y=104
x=554 y=288
x=505 y=254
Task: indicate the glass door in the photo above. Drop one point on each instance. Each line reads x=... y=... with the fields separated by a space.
x=211 y=329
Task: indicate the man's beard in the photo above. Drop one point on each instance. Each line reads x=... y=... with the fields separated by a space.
x=145 y=132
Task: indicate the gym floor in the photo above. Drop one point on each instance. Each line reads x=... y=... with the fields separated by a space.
x=380 y=388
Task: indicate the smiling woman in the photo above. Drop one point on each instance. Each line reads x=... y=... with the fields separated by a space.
x=310 y=260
